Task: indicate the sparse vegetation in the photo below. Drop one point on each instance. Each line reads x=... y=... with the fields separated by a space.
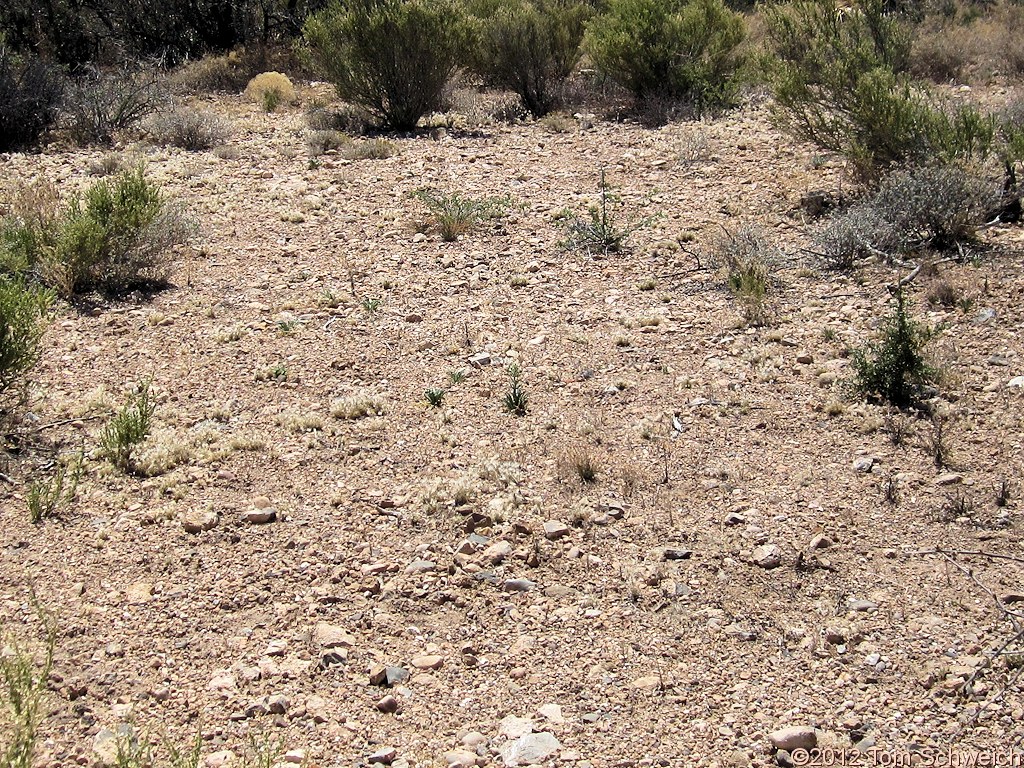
x=357 y=406
x=930 y=207
x=516 y=400
x=894 y=368
x=47 y=498
x=749 y=259
x=600 y=232
x=456 y=214
x=103 y=105
x=191 y=129
x=434 y=397
x=579 y=462
x=23 y=688
x=128 y=428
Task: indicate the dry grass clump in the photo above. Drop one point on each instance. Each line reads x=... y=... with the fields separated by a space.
x=191 y=129
x=300 y=421
x=320 y=142
x=357 y=406
x=966 y=46
x=167 y=449
x=372 y=149
x=578 y=462
x=748 y=259
x=271 y=90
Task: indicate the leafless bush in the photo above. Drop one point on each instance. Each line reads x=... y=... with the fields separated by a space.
x=102 y=104
x=190 y=129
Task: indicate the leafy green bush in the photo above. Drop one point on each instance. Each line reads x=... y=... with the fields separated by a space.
x=530 y=47
x=22 y=310
x=117 y=236
x=30 y=98
x=894 y=369
x=391 y=57
x=839 y=81
x=669 y=48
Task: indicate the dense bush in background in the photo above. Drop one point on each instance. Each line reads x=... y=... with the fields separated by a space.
x=529 y=47
x=30 y=98
x=840 y=81
x=669 y=49
x=391 y=57
x=76 y=32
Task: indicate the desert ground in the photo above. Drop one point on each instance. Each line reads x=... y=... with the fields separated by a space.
x=316 y=558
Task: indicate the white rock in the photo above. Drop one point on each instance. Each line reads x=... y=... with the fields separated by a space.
x=513 y=727
x=530 y=749
x=767 y=556
x=794 y=737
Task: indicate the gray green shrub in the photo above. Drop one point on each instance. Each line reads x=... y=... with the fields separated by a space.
x=529 y=47
x=676 y=49
x=391 y=57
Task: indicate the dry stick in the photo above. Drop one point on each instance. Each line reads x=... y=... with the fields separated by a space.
x=914 y=273
x=1009 y=615
x=974 y=552
x=51 y=425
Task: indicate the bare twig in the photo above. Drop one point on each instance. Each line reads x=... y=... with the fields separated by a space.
x=50 y=425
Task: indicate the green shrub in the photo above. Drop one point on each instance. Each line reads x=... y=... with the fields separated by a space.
x=23 y=686
x=128 y=429
x=22 y=311
x=840 y=82
x=391 y=57
x=894 y=369
x=669 y=48
x=530 y=47
x=601 y=232
x=46 y=499
x=456 y=214
x=119 y=235
x=30 y=99
x=516 y=401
